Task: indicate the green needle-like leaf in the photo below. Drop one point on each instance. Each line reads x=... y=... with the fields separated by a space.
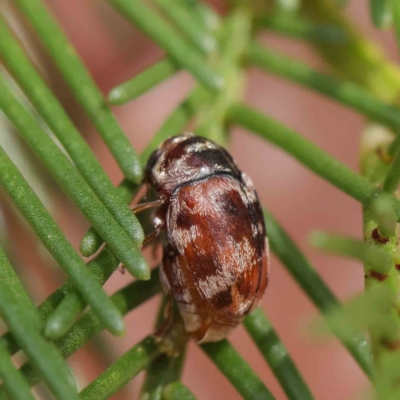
x=83 y=87
x=236 y=369
x=143 y=82
x=276 y=355
x=62 y=314
x=309 y=154
x=23 y=321
x=51 y=236
x=344 y=92
x=186 y=21
x=165 y=37
x=375 y=258
x=381 y=13
x=89 y=325
x=122 y=371
x=13 y=381
x=73 y=184
x=300 y=28
x=57 y=119
x=382 y=212
x=315 y=288
x=395 y=5
x=177 y=391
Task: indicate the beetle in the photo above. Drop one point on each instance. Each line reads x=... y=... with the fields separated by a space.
x=209 y=219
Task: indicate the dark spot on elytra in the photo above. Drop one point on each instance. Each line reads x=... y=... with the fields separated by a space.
x=223 y=299
x=203 y=265
x=397 y=266
x=378 y=237
x=378 y=275
x=232 y=203
x=184 y=220
x=209 y=158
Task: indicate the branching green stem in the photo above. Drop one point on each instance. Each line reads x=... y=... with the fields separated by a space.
x=164 y=369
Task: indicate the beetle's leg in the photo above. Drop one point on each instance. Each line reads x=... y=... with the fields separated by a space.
x=152 y=236
x=144 y=206
x=168 y=310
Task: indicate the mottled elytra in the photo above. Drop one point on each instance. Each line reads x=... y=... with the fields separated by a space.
x=215 y=258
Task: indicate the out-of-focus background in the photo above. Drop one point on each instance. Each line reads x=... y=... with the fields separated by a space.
x=114 y=51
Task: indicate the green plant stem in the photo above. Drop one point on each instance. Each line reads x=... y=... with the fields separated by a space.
x=143 y=82
x=301 y=28
x=308 y=154
x=392 y=178
x=236 y=369
x=262 y=332
x=166 y=38
x=13 y=381
x=122 y=371
x=188 y=24
x=234 y=37
x=382 y=212
x=51 y=236
x=305 y=275
x=57 y=119
x=73 y=184
x=23 y=320
x=83 y=87
x=381 y=13
x=163 y=370
x=89 y=325
x=374 y=167
x=177 y=391
x=344 y=92
x=375 y=258
x=174 y=125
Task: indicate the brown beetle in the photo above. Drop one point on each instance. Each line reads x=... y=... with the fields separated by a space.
x=215 y=259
